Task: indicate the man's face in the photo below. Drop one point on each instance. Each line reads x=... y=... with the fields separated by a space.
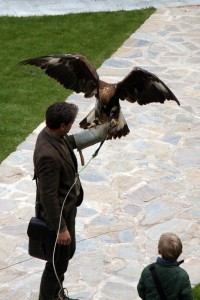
x=66 y=128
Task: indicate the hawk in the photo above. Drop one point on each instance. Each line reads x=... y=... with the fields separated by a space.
x=76 y=73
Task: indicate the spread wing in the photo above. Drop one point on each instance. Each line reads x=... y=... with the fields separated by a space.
x=144 y=87
x=73 y=71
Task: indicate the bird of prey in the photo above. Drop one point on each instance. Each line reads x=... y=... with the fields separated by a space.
x=76 y=73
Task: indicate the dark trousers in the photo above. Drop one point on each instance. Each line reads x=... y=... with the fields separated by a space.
x=49 y=286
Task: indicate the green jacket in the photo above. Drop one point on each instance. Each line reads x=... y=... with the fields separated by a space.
x=174 y=281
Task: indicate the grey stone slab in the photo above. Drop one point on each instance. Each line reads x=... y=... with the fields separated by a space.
x=138 y=187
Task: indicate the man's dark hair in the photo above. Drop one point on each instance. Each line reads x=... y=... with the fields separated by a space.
x=60 y=112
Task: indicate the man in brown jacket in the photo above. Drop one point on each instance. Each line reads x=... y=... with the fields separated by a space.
x=56 y=175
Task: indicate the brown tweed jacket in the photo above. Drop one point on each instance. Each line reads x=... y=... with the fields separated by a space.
x=55 y=166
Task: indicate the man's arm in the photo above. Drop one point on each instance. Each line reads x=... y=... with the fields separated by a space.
x=91 y=136
x=48 y=183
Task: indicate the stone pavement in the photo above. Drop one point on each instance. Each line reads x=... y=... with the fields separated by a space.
x=135 y=189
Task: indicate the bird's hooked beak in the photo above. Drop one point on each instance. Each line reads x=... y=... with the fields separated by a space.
x=90 y=94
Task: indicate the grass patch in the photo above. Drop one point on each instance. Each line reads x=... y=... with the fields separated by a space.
x=26 y=91
x=196 y=292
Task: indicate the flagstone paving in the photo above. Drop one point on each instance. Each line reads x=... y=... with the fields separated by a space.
x=135 y=189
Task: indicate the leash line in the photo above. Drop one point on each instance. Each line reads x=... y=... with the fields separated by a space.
x=82 y=240
x=53 y=257
x=54 y=250
x=93 y=156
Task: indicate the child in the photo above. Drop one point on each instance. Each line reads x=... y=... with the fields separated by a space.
x=165 y=279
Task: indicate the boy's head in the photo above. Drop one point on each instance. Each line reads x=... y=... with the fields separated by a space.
x=169 y=246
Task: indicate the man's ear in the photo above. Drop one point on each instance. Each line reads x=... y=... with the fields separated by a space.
x=62 y=126
x=159 y=251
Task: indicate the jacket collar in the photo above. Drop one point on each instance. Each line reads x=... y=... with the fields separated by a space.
x=166 y=262
x=58 y=144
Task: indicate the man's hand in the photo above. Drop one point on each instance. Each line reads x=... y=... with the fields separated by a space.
x=64 y=238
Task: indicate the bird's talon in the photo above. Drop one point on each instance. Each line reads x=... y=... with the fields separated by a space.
x=113 y=123
x=93 y=125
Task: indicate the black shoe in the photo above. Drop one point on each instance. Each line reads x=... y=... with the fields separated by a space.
x=66 y=298
x=62 y=296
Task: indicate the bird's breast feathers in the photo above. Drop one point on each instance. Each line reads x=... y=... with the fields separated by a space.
x=106 y=92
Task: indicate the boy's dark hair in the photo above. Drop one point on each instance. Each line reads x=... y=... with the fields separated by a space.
x=170 y=246
x=60 y=112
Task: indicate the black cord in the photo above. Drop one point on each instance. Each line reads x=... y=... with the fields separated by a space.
x=97 y=151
